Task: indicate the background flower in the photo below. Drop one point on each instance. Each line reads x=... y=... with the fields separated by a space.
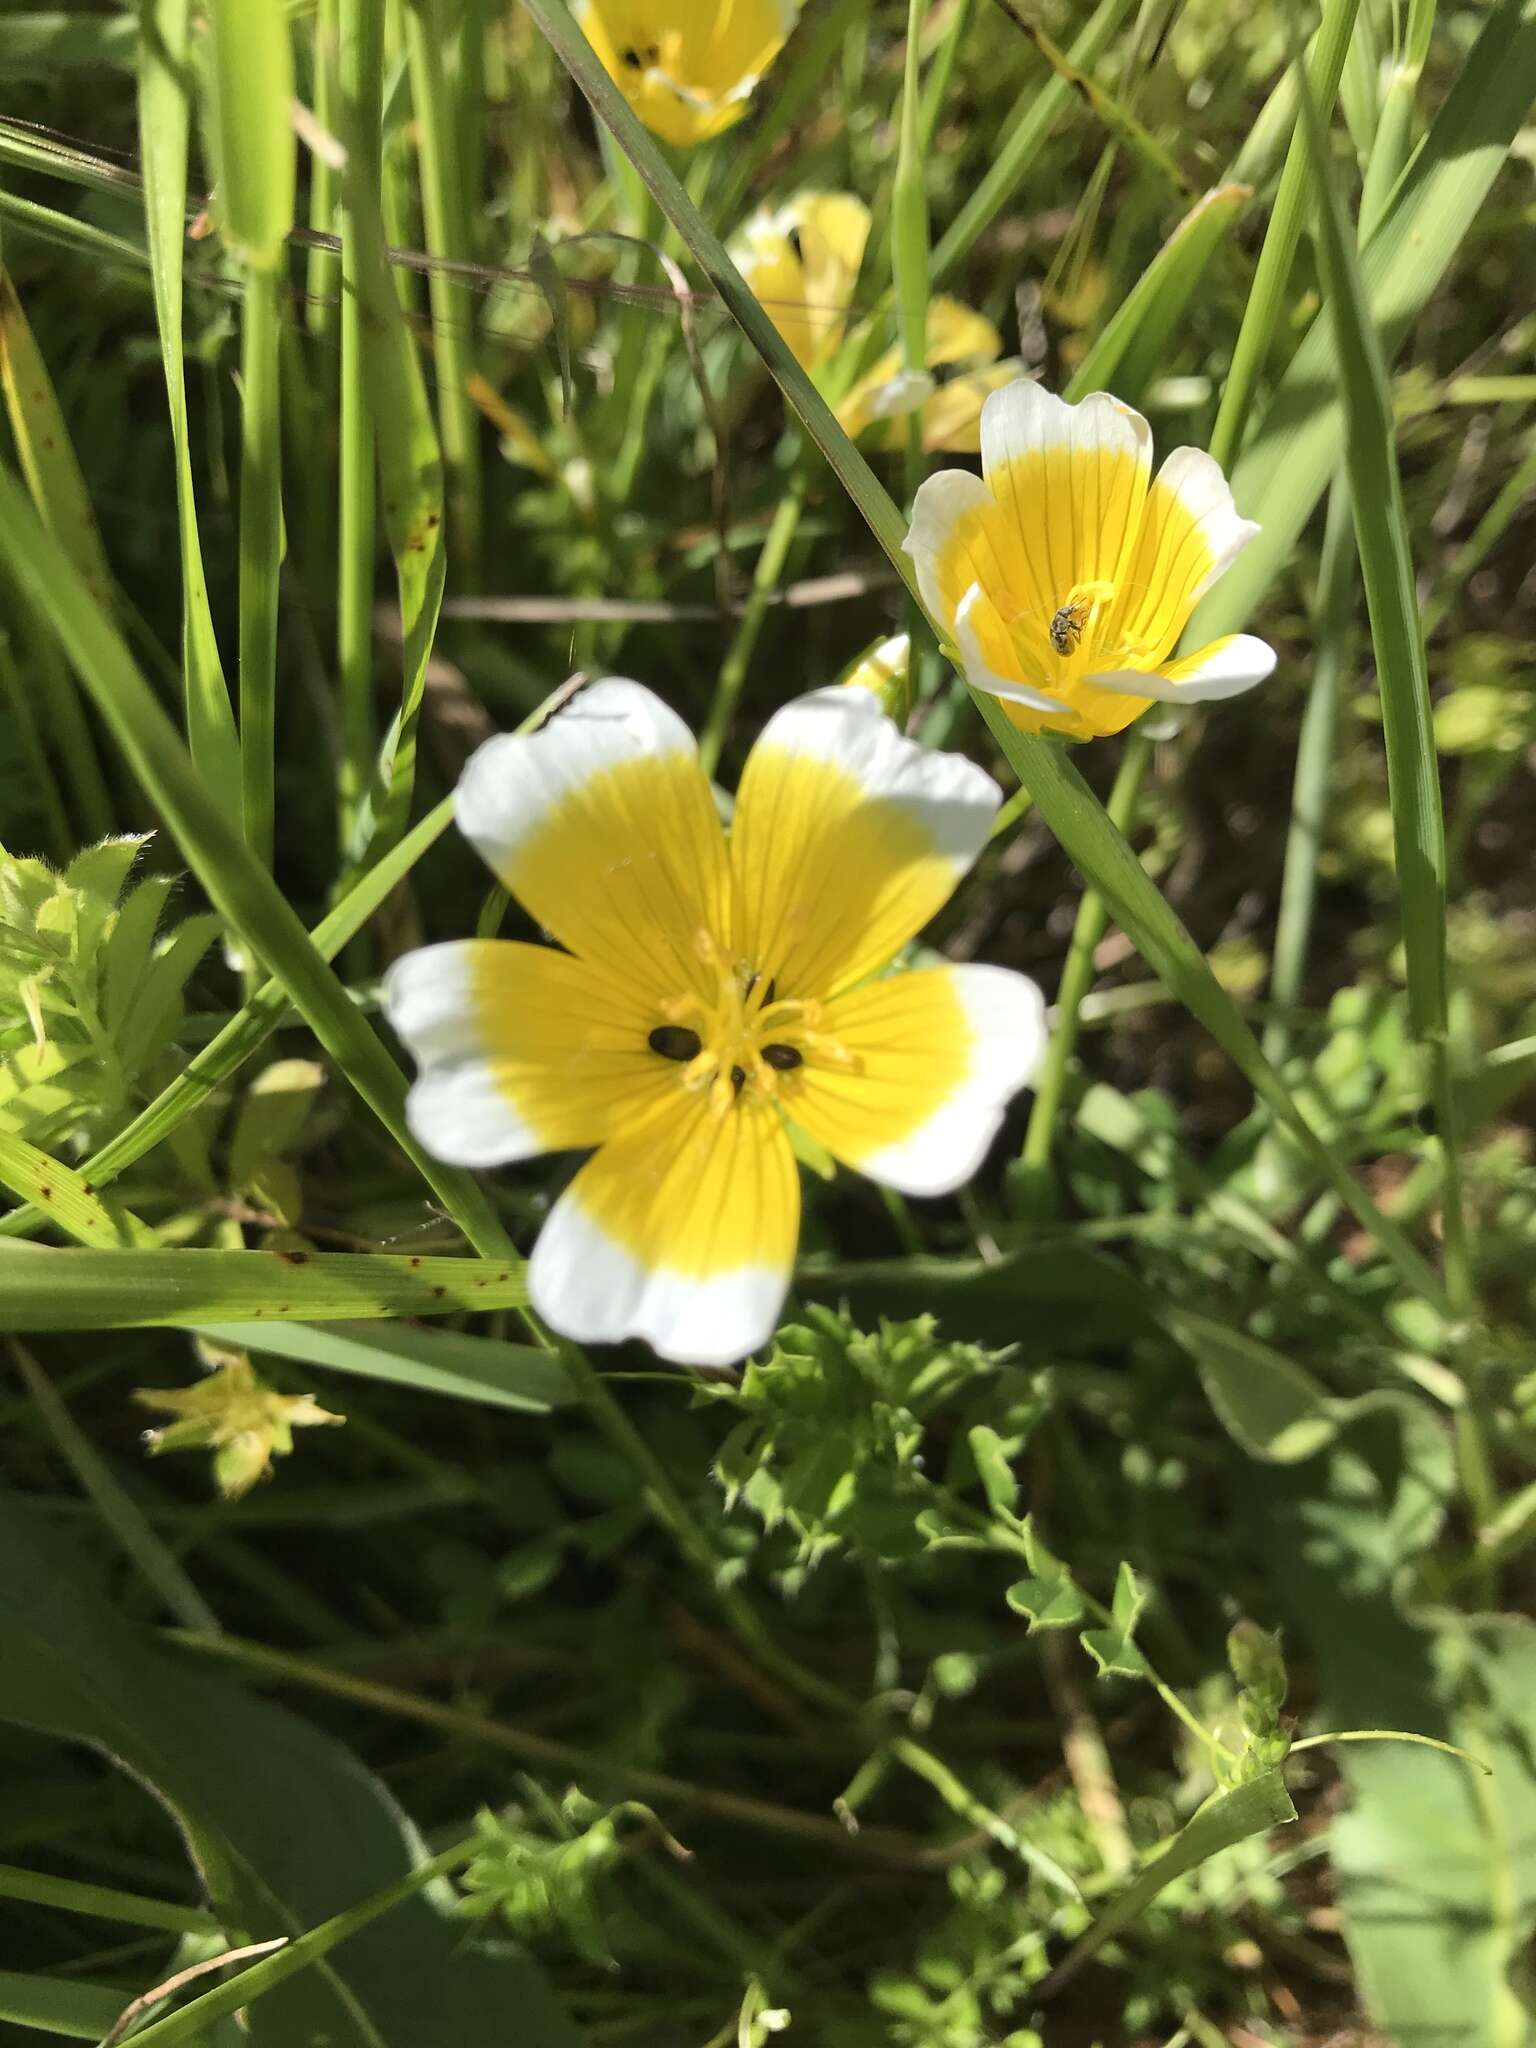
x=687 y=69
x=1066 y=572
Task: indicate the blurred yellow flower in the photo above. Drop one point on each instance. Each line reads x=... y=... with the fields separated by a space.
x=1066 y=572
x=715 y=993
x=801 y=262
x=687 y=67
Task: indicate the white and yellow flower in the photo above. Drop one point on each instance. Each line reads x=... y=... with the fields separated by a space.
x=801 y=263
x=709 y=994
x=1066 y=572
x=687 y=67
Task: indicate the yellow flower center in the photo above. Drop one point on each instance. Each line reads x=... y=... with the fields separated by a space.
x=1083 y=634
x=739 y=1036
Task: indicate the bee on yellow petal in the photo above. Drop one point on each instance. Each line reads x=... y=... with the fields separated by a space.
x=687 y=67
x=707 y=996
x=801 y=262
x=1066 y=572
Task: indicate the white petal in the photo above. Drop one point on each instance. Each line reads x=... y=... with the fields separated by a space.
x=1226 y=669
x=900 y=395
x=1196 y=480
x=1024 y=418
x=454 y=1108
x=1006 y=1012
x=942 y=501
x=512 y=783
x=595 y=1292
x=979 y=671
x=953 y=799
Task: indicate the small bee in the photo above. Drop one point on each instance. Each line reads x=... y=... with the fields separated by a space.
x=1067 y=625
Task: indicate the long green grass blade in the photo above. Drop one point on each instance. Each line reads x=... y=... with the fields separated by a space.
x=187 y=1289
x=101 y=1902
x=239 y=888
x=1024 y=136
x=53 y=2005
x=165 y=87
x=119 y=1514
x=1285 y=467
x=411 y=474
x=1402 y=670
x=1125 y=357
x=1069 y=807
x=439 y=1362
x=238 y=1991
x=1266 y=301
x=52 y=471
x=250 y=90
x=66 y=1197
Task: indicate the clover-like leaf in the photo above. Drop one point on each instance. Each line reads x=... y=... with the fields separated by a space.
x=1113 y=1649
x=1047 y=1598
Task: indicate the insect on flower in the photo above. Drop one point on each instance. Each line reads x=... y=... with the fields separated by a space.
x=709 y=994
x=687 y=67
x=1066 y=571
x=801 y=262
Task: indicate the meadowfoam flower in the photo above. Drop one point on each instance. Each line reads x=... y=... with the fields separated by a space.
x=687 y=67
x=709 y=994
x=1066 y=572
x=801 y=262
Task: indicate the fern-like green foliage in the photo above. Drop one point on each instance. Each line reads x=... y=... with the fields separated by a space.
x=90 y=989
x=833 y=1444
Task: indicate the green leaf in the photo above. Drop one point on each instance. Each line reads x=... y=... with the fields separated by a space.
x=1225 y=1819
x=411 y=477
x=99 y=1290
x=67 y=1197
x=165 y=72
x=1273 y=1409
x=250 y=92
x=1047 y=1598
x=444 y=1362
x=53 y=2005
x=286 y=1827
x=1397 y=634
x=1114 y=1649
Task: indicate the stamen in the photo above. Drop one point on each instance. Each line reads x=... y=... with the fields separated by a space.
x=673 y=1042
x=783 y=1057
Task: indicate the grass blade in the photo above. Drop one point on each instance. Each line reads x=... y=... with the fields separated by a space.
x=1025 y=133
x=1397 y=635
x=1126 y=356
x=1266 y=300
x=411 y=470
x=52 y=471
x=239 y=888
x=165 y=74
x=97 y=1290
x=66 y=1197
x=443 y=1362
x=1286 y=465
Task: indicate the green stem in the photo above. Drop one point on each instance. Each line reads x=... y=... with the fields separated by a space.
x=1077 y=971
x=361 y=66
x=738 y=657
x=261 y=543
x=1333 y=638
x=909 y=237
x=443 y=215
x=1267 y=300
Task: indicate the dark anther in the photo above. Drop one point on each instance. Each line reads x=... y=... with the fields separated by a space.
x=795 y=243
x=785 y=1057
x=632 y=59
x=738 y=1078
x=674 y=1041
